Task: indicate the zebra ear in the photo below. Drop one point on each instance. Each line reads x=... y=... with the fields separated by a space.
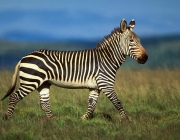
x=131 y=25
x=123 y=25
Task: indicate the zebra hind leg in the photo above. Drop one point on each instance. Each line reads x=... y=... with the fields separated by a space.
x=45 y=99
x=14 y=98
x=93 y=96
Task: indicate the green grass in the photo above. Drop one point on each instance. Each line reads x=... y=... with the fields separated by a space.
x=151 y=99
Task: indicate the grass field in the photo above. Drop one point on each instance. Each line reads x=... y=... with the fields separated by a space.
x=151 y=99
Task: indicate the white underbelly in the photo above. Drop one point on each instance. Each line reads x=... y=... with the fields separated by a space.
x=91 y=83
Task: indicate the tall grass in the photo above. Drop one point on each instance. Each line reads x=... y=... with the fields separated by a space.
x=151 y=99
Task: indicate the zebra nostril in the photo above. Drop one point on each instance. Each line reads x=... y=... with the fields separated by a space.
x=146 y=57
x=142 y=59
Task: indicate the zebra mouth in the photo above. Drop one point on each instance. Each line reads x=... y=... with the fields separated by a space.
x=142 y=59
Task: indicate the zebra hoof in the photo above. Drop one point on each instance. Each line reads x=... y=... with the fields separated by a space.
x=125 y=120
x=86 y=117
x=49 y=118
x=52 y=118
x=5 y=117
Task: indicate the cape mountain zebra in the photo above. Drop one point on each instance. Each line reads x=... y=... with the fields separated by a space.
x=94 y=69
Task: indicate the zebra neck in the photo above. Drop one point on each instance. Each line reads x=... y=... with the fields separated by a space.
x=111 y=53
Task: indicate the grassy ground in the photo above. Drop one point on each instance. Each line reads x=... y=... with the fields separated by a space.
x=151 y=99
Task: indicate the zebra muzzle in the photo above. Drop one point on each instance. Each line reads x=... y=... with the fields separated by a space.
x=142 y=59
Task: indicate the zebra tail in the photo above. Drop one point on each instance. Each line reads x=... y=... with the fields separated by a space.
x=14 y=81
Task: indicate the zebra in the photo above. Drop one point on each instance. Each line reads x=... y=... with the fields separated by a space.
x=94 y=69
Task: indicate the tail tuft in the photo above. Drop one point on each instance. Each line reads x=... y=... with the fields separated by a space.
x=11 y=89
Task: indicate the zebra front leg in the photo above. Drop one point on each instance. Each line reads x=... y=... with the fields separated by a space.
x=45 y=99
x=117 y=103
x=93 y=96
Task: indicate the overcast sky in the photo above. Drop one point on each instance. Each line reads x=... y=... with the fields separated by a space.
x=86 y=19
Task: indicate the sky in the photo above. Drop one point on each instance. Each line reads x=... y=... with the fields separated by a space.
x=48 y=20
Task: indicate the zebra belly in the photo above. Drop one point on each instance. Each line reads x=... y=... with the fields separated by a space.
x=91 y=83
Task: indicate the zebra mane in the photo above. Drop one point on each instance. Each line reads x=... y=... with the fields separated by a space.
x=108 y=37
x=111 y=36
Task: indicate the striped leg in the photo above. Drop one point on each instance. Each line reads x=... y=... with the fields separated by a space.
x=14 y=98
x=110 y=93
x=93 y=96
x=45 y=99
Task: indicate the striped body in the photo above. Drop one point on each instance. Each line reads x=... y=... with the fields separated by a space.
x=94 y=69
x=64 y=69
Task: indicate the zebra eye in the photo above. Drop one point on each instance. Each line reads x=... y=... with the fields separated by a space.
x=131 y=40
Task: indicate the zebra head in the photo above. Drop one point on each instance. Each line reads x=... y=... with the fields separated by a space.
x=130 y=42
